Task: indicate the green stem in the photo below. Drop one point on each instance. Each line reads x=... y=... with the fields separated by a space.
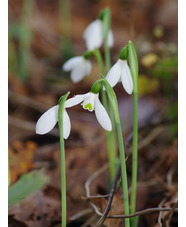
x=111 y=142
x=134 y=152
x=62 y=157
x=114 y=104
x=123 y=172
x=99 y=59
x=107 y=53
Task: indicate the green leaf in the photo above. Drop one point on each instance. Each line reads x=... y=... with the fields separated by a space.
x=25 y=186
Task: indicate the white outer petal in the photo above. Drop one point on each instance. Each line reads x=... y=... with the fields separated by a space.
x=102 y=116
x=110 y=39
x=47 y=121
x=76 y=100
x=72 y=63
x=66 y=125
x=80 y=71
x=113 y=75
x=93 y=35
x=126 y=78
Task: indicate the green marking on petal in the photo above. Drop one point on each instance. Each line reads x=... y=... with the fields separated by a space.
x=88 y=106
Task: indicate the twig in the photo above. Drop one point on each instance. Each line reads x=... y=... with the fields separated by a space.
x=170 y=213
x=142 y=212
x=89 y=181
x=161 y=213
x=80 y=214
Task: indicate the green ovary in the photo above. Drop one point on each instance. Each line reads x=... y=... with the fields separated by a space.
x=88 y=106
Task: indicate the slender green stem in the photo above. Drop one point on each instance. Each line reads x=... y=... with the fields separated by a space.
x=114 y=104
x=133 y=63
x=123 y=172
x=111 y=141
x=63 y=177
x=107 y=54
x=62 y=157
x=134 y=152
x=99 y=59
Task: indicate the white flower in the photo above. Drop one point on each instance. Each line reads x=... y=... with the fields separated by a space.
x=49 y=119
x=93 y=35
x=90 y=101
x=79 y=67
x=120 y=71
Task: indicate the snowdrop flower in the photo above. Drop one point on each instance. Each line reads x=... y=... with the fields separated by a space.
x=49 y=119
x=79 y=66
x=120 y=71
x=91 y=102
x=93 y=35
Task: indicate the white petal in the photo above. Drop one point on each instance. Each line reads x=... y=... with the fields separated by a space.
x=73 y=62
x=102 y=116
x=126 y=78
x=110 y=39
x=114 y=73
x=93 y=35
x=89 y=102
x=66 y=125
x=80 y=71
x=47 y=121
x=76 y=100
x=88 y=67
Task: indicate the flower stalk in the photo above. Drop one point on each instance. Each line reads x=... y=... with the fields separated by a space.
x=62 y=158
x=133 y=63
x=110 y=135
x=105 y=14
x=114 y=104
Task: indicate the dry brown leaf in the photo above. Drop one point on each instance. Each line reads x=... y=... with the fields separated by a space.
x=21 y=156
x=37 y=210
x=117 y=208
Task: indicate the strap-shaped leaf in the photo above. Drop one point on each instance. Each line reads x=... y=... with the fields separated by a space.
x=26 y=185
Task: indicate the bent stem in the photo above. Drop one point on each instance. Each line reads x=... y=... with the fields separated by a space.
x=111 y=141
x=114 y=104
x=62 y=157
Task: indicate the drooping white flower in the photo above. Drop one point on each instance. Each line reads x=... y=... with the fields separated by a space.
x=90 y=101
x=120 y=72
x=93 y=35
x=79 y=67
x=49 y=119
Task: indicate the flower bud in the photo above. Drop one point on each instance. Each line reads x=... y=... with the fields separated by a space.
x=96 y=87
x=87 y=54
x=124 y=53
